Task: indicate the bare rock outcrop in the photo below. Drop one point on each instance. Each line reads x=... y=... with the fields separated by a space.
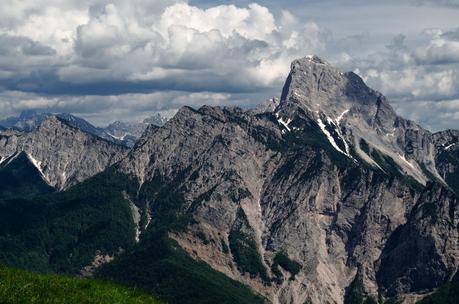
x=65 y=155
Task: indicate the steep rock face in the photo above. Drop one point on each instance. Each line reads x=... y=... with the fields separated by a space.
x=332 y=180
x=447 y=157
x=423 y=252
x=222 y=165
x=188 y=136
x=63 y=154
x=343 y=103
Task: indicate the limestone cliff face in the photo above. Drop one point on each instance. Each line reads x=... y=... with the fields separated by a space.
x=447 y=157
x=65 y=155
x=332 y=180
x=357 y=116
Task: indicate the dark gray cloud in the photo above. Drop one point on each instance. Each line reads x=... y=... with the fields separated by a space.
x=23 y=46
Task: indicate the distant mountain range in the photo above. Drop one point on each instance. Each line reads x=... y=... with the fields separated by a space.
x=118 y=132
x=325 y=195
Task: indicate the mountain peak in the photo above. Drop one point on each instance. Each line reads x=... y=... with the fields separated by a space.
x=314 y=59
x=50 y=122
x=28 y=114
x=343 y=103
x=314 y=83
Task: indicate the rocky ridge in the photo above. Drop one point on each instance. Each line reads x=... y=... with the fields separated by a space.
x=332 y=180
x=129 y=133
x=357 y=116
x=63 y=154
x=117 y=132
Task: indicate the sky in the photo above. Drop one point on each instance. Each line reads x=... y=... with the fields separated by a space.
x=108 y=60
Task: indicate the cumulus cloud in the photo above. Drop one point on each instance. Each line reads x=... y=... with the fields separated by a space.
x=23 y=46
x=443 y=48
x=421 y=80
x=434 y=115
x=183 y=48
x=224 y=42
x=136 y=107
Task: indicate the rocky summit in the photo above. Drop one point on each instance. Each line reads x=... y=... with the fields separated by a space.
x=347 y=194
x=323 y=196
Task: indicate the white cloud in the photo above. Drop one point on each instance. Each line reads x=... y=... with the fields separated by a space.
x=224 y=40
x=421 y=80
x=113 y=41
x=434 y=115
x=102 y=110
x=442 y=50
x=166 y=44
x=254 y=22
x=414 y=82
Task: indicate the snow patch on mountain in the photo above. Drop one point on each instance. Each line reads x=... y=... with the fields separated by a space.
x=3 y=159
x=338 y=130
x=285 y=123
x=329 y=137
x=340 y=117
x=37 y=164
x=449 y=146
x=11 y=157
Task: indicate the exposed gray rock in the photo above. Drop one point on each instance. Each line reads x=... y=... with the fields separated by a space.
x=447 y=157
x=333 y=178
x=129 y=133
x=344 y=103
x=64 y=155
x=99 y=260
x=117 y=132
x=422 y=253
x=268 y=106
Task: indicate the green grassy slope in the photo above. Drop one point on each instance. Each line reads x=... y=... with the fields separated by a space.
x=19 y=286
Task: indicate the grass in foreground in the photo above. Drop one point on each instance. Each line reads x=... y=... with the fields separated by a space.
x=19 y=286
